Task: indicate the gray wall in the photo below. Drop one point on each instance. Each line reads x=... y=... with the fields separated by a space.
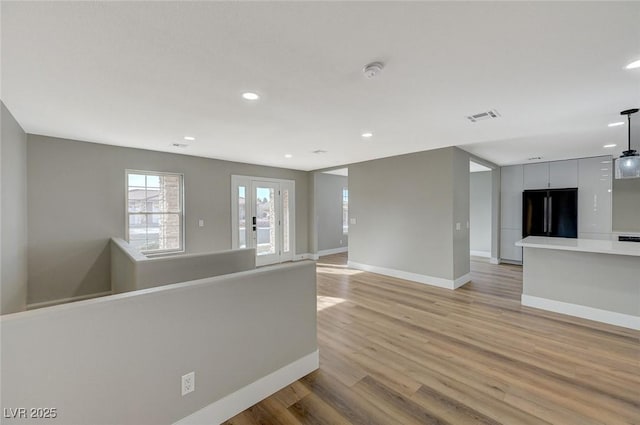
x=77 y=203
x=328 y=202
x=131 y=270
x=480 y=211
x=406 y=213
x=13 y=181
x=626 y=205
x=460 y=177
x=119 y=359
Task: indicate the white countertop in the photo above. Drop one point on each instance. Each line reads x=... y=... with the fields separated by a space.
x=581 y=245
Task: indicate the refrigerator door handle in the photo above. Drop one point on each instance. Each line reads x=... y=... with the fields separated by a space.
x=550 y=221
x=544 y=217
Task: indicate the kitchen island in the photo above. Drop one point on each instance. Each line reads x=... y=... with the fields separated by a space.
x=593 y=279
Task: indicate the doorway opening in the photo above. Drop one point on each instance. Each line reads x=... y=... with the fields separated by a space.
x=331 y=212
x=482 y=208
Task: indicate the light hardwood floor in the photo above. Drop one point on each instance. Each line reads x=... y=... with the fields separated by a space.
x=397 y=352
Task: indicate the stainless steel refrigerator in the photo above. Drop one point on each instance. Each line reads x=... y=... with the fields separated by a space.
x=550 y=212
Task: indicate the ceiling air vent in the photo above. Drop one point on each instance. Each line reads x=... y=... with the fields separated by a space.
x=482 y=116
x=319 y=152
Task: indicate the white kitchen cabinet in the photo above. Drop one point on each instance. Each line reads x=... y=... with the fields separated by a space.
x=536 y=176
x=508 y=249
x=594 y=197
x=551 y=175
x=511 y=186
x=563 y=174
x=511 y=197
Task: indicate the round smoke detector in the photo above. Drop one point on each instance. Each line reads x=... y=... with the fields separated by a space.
x=373 y=69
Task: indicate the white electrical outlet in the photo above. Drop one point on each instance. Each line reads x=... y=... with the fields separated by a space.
x=340 y=241
x=188 y=383
x=457 y=226
x=201 y=223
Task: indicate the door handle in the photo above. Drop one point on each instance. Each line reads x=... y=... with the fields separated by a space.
x=550 y=213
x=254 y=224
x=544 y=219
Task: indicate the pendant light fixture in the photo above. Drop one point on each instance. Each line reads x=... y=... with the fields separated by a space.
x=628 y=165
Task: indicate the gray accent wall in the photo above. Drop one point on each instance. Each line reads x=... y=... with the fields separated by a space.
x=328 y=203
x=406 y=208
x=480 y=211
x=13 y=181
x=77 y=204
x=626 y=205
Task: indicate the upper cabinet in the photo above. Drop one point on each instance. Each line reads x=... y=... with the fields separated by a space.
x=563 y=174
x=594 y=197
x=536 y=176
x=551 y=175
x=511 y=197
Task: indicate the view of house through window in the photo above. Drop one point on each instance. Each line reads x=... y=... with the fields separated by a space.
x=345 y=211
x=154 y=211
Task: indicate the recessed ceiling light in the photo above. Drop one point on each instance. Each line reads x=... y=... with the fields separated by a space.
x=611 y=145
x=288 y=155
x=615 y=124
x=367 y=135
x=189 y=138
x=633 y=65
x=250 y=96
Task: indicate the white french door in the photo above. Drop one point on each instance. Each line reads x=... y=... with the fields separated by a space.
x=263 y=217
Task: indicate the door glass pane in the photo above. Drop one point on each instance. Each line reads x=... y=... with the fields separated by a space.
x=265 y=216
x=285 y=221
x=242 y=217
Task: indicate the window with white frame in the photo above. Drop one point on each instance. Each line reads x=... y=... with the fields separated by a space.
x=154 y=211
x=345 y=211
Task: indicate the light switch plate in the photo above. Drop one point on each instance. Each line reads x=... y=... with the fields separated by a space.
x=201 y=223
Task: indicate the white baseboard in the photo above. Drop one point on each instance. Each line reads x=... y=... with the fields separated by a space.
x=414 y=277
x=485 y=254
x=461 y=280
x=494 y=260
x=324 y=252
x=67 y=300
x=582 y=311
x=514 y=262
x=305 y=256
x=229 y=406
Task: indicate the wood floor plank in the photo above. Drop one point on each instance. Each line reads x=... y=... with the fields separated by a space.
x=398 y=352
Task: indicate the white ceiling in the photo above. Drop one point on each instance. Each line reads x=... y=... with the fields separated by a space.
x=474 y=167
x=145 y=74
x=339 y=172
